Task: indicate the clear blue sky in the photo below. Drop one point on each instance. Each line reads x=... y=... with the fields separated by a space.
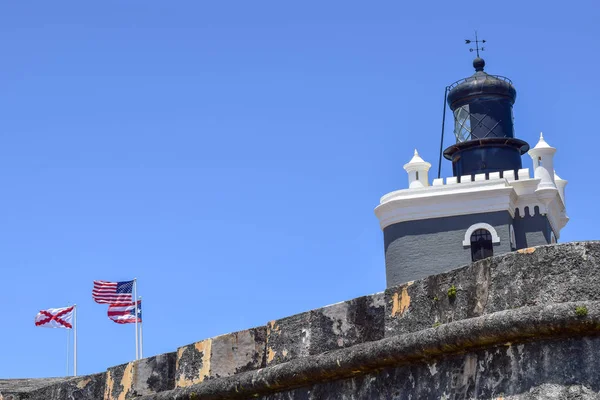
x=229 y=154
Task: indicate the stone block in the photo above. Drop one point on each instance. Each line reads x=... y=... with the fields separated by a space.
x=509 y=175
x=288 y=338
x=333 y=327
x=479 y=177
x=220 y=356
x=346 y=324
x=139 y=378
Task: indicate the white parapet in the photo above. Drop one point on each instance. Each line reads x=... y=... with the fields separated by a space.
x=483 y=194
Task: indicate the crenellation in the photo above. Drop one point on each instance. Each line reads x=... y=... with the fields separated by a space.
x=509 y=175
x=480 y=177
x=524 y=174
x=494 y=175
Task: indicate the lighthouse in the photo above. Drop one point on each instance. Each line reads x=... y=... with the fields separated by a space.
x=491 y=205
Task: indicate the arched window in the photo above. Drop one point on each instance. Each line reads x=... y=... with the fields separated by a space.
x=481 y=225
x=481 y=245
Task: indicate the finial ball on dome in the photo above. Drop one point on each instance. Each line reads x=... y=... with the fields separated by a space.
x=478 y=64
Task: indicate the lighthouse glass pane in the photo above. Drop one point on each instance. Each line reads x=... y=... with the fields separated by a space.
x=462 y=124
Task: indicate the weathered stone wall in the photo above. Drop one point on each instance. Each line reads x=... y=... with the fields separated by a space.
x=12 y=388
x=221 y=356
x=517 y=326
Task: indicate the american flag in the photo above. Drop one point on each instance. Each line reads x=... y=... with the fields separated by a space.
x=112 y=292
x=124 y=313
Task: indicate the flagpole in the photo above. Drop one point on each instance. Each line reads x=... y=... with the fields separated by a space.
x=141 y=336
x=68 y=345
x=136 y=317
x=75 y=340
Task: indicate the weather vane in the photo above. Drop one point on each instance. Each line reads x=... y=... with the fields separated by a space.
x=476 y=41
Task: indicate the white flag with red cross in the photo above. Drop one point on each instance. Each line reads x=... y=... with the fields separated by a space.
x=55 y=318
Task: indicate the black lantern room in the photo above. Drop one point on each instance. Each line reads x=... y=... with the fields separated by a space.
x=483 y=124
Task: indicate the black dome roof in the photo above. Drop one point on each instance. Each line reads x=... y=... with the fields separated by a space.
x=480 y=85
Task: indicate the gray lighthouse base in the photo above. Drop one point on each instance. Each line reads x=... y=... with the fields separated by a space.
x=417 y=249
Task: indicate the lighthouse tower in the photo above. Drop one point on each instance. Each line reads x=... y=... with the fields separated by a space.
x=491 y=205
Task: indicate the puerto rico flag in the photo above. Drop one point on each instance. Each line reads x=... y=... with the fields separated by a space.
x=55 y=318
x=124 y=313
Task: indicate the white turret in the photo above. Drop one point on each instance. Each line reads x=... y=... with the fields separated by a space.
x=543 y=165
x=418 y=172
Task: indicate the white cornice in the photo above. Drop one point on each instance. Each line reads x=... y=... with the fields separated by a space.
x=479 y=196
x=480 y=199
x=442 y=190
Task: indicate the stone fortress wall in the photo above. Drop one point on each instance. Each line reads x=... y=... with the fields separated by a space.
x=522 y=325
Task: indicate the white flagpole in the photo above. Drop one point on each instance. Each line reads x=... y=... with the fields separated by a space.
x=136 y=317
x=141 y=336
x=68 y=345
x=75 y=340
